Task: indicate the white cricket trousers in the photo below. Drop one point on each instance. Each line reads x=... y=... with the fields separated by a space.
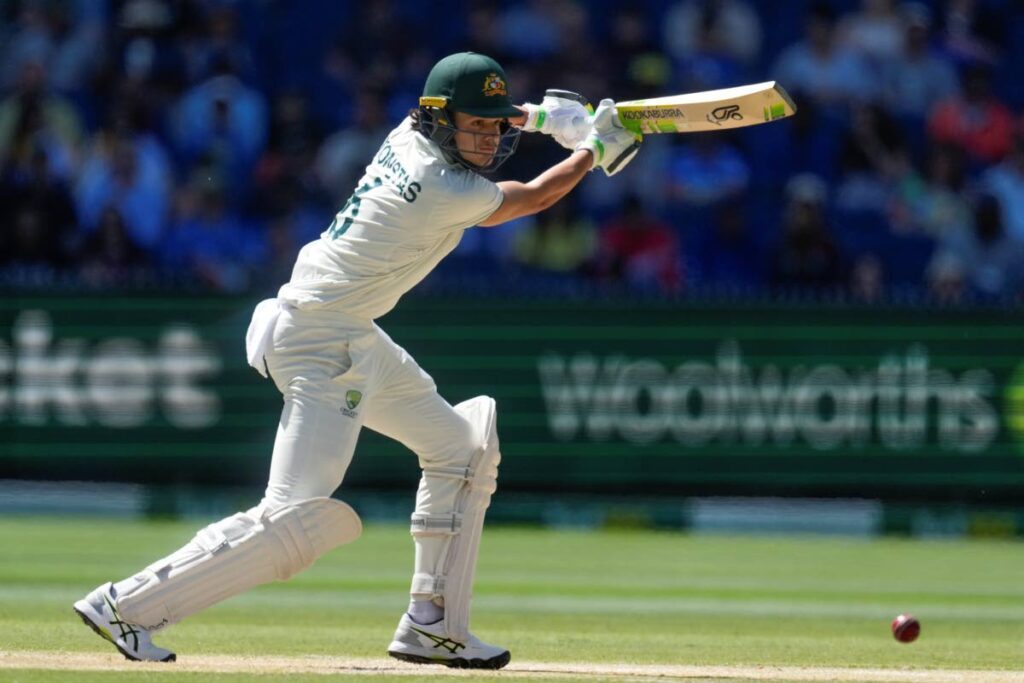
x=338 y=373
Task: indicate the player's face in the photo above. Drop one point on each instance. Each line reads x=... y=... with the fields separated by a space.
x=477 y=138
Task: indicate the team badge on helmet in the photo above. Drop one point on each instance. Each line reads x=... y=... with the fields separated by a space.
x=494 y=85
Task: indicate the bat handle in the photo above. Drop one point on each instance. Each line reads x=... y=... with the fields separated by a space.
x=581 y=124
x=569 y=95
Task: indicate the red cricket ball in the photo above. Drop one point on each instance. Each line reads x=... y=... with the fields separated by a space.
x=906 y=628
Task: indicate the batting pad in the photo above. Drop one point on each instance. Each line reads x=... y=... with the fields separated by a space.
x=234 y=555
x=449 y=519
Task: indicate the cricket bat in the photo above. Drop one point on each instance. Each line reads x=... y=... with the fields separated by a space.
x=746 y=105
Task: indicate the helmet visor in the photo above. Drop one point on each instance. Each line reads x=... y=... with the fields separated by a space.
x=484 y=151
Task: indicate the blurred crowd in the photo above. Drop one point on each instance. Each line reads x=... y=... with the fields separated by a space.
x=200 y=143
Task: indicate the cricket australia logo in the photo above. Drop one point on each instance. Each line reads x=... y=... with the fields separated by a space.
x=720 y=114
x=352 y=399
x=494 y=85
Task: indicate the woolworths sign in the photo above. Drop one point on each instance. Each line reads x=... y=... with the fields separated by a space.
x=896 y=401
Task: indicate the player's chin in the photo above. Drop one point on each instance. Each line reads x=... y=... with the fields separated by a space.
x=479 y=159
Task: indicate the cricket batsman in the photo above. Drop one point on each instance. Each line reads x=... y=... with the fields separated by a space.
x=338 y=371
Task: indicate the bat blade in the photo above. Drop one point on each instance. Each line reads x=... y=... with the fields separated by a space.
x=747 y=105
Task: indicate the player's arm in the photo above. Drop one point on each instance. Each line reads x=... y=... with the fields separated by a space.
x=525 y=199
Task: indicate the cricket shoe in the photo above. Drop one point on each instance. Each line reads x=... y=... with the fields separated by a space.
x=428 y=644
x=99 y=612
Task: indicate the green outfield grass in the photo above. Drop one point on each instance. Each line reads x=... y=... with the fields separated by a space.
x=629 y=597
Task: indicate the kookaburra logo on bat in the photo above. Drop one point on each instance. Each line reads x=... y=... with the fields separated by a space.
x=639 y=115
x=719 y=114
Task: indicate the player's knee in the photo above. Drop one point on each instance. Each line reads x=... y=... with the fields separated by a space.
x=460 y=443
x=465 y=441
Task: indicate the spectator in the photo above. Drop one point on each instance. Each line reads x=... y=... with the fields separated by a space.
x=867 y=279
x=975 y=121
x=917 y=78
x=934 y=204
x=947 y=285
x=873 y=156
x=705 y=171
x=706 y=70
x=379 y=48
x=992 y=259
x=1006 y=183
x=710 y=59
x=34 y=116
x=728 y=256
x=821 y=68
x=30 y=245
x=640 y=251
x=28 y=43
x=27 y=183
x=532 y=30
x=808 y=256
x=730 y=28
x=342 y=158
x=334 y=95
x=581 y=60
x=129 y=172
x=644 y=70
x=484 y=33
x=487 y=251
x=559 y=241
x=222 y=42
x=973 y=30
x=149 y=53
x=407 y=86
x=110 y=256
x=285 y=237
x=381 y=30
x=288 y=160
x=810 y=142
x=66 y=39
x=211 y=244
x=874 y=32
x=221 y=122
x=79 y=34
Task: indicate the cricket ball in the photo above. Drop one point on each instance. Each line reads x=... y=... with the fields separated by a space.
x=905 y=628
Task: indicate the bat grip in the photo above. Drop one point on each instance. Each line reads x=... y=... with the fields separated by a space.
x=580 y=123
x=568 y=95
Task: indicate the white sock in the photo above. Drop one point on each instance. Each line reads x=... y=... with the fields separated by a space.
x=425 y=611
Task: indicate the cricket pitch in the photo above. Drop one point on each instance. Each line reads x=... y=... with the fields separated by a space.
x=382 y=666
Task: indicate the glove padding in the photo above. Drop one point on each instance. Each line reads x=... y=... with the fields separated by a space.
x=564 y=119
x=612 y=145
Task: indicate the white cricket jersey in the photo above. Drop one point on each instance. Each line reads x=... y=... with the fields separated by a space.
x=408 y=211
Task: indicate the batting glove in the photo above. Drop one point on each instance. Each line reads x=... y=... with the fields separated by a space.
x=561 y=114
x=612 y=145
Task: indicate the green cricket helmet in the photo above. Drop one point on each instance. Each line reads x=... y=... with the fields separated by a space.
x=473 y=84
